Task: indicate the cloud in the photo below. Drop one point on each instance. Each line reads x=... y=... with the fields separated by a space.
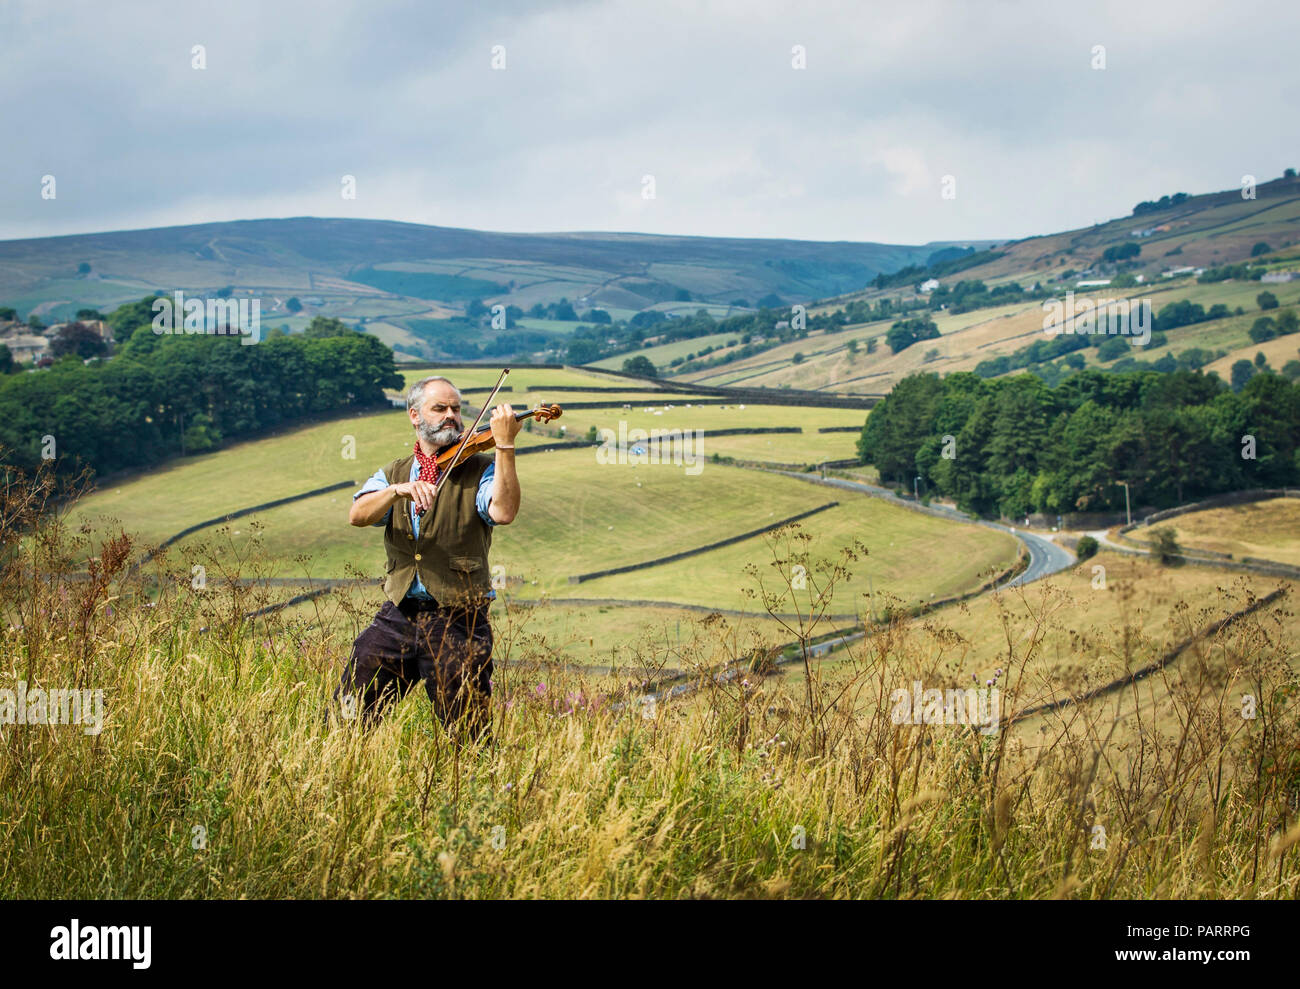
x=596 y=95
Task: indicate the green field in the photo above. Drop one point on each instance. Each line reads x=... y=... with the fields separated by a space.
x=578 y=514
x=192 y=489
x=663 y=354
x=520 y=380
x=903 y=562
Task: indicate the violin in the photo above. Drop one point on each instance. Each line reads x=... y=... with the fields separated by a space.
x=462 y=448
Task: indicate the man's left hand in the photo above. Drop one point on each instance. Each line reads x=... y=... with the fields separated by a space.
x=505 y=427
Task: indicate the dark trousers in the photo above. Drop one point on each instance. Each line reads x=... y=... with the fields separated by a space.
x=448 y=648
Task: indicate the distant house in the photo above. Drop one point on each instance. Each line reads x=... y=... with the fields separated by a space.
x=1279 y=276
x=26 y=348
x=929 y=285
x=1093 y=283
x=1147 y=232
x=781 y=325
x=1186 y=269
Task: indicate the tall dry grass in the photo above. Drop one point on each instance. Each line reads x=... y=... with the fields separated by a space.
x=217 y=776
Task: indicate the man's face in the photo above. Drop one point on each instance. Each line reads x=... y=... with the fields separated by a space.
x=438 y=420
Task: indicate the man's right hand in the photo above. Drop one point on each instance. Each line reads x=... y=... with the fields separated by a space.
x=420 y=492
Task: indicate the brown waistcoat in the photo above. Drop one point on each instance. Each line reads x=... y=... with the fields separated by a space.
x=451 y=554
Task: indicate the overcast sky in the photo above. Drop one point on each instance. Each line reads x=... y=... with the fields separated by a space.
x=594 y=96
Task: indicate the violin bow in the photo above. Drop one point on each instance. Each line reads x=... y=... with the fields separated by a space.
x=465 y=437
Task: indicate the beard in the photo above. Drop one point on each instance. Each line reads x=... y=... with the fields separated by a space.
x=437 y=436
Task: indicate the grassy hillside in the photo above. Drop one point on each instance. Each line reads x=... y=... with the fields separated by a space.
x=1201 y=232
x=1269 y=530
x=583 y=509
x=341 y=261
x=215 y=729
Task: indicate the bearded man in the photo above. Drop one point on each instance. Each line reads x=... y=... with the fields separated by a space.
x=434 y=626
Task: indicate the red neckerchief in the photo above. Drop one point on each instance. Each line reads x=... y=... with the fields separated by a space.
x=428 y=465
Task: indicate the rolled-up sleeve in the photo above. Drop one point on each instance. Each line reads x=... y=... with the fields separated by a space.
x=376 y=482
x=484 y=499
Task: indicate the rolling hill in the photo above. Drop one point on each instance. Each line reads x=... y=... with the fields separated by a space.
x=1184 y=237
x=401 y=279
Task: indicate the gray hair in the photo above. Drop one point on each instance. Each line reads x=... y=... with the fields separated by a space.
x=415 y=396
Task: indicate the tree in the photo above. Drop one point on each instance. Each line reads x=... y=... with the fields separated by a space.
x=583 y=351
x=89 y=314
x=899 y=425
x=83 y=268
x=1242 y=371
x=1266 y=300
x=326 y=326
x=6 y=360
x=641 y=365
x=1259 y=248
x=35 y=322
x=1164 y=545
x=1291 y=370
x=1289 y=173
x=130 y=316
x=79 y=339
x=201 y=434
x=1287 y=322
x=1086 y=548
x=294 y=304
x=7 y=313
x=906 y=332
x=1262 y=329
x=1113 y=347
x=1121 y=252
x=797 y=358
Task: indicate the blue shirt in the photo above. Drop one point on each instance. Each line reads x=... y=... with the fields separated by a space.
x=482 y=501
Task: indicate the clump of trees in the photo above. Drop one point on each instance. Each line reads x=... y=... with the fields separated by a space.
x=642 y=365
x=1014 y=445
x=1164 y=202
x=906 y=332
x=167 y=394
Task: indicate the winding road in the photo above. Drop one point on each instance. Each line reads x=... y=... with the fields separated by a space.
x=1045 y=557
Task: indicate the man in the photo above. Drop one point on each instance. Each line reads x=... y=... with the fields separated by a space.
x=434 y=625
